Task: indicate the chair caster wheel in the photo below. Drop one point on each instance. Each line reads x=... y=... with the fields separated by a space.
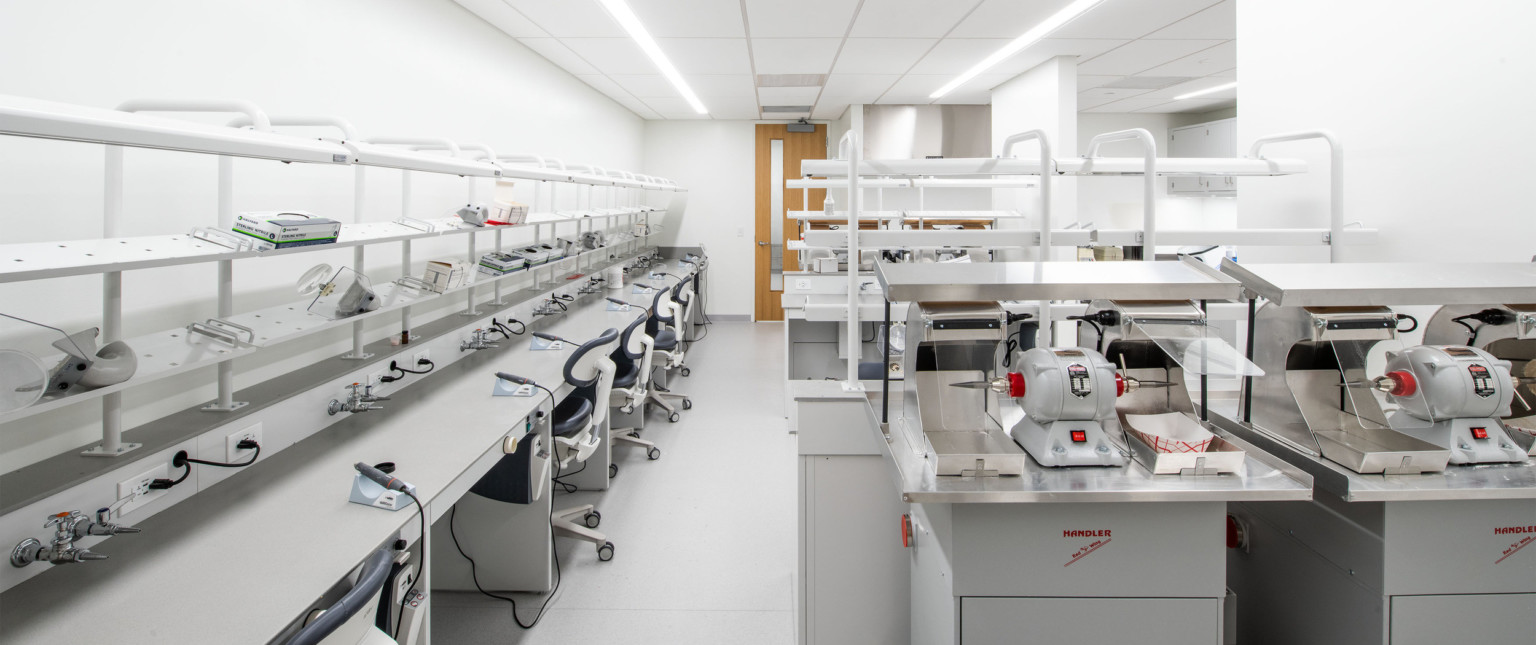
x=687 y=404
x=592 y=519
x=613 y=471
x=675 y=417
x=685 y=371
x=605 y=552
x=653 y=454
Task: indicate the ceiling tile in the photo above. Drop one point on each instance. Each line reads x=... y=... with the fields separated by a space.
x=1086 y=82
x=1126 y=105
x=637 y=106
x=689 y=18
x=732 y=108
x=674 y=109
x=788 y=95
x=1215 y=60
x=1190 y=105
x=559 y=54
x=1195 y=86
x=799 y=18
x=612 y=55
x=913 y=89
x=909 y=18
x=856 y=88
x=1219 y=21
x=1130 y=18
x=1083 y=48
x=724 y=85
x=1006 y=18
x=570 y=18
x=829 y=111
x=955 y=55
x=504 y=17
x=646 y=86
x=881 y=55
x=603 y=84
x=794 y=55
x=1113 y=94
x=1142 y=55
x=707 y=55
x=1086 y=104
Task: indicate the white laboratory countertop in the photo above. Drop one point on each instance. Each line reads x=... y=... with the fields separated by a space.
x=239 y=562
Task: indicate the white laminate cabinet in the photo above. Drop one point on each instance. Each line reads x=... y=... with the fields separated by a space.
x=1213 y=139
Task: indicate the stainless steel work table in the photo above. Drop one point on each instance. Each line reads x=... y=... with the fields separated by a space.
x=239 y=562
x=1384 y=284
x=1263 y=478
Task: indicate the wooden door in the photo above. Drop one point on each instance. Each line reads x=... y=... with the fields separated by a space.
x=794 y=147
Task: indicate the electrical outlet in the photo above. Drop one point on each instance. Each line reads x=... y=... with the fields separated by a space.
x=138 y=488
x=233 y=453
x=803 y=284
x=423 y=355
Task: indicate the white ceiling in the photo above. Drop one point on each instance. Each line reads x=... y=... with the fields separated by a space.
x=877 y=51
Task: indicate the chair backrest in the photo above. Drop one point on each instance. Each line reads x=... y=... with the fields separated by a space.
x=680 y=293
x=581 y=368
x=629 y=344
x=363 y=595
x=659 y=311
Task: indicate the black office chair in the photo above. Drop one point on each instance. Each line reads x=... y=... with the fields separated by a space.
x=632 y=376
x=661 y=326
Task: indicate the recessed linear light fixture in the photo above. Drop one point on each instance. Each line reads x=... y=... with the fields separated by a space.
x=621 y=12
x=1208 y=90
x=1056 y=21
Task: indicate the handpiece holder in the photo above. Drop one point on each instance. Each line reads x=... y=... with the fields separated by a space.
x=376 y=488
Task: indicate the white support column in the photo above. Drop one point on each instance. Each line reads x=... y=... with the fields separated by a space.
x=405 y=253
x=359 y=192
x=112 y=308
x=226 y=277
x=852 y=151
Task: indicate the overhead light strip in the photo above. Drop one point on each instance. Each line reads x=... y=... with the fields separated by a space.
x=1056 y=21
x=621 y=12
x=1208 y=90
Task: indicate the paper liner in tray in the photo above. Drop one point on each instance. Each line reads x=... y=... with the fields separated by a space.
x=1174 y=443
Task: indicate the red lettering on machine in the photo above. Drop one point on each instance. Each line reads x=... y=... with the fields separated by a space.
x=1083 y=534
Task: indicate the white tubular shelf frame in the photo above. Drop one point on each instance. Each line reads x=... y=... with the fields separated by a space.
x=1149 y=180
x=251 y=135
x=1335 y=178
x=851 y=147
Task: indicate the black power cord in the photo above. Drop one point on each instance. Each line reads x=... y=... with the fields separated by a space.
x=394 y=366
x=183 y=460
x=422 y=513
x=1486 y=317
x=1100 y=320
x=505 y=328
x=1402 y=317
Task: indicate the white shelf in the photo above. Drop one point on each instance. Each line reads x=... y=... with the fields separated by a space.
x=49 y=120
x=38 y=260
x=937 y=239
x=820 y=216
x=1170 y=166
x=167 y=353
x=1081 y=237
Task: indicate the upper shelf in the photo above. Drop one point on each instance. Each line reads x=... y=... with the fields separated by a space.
x=49 y=120
x=37 y=260
x=27 y=117
x=1183 y=280
x=1169 y=166
x=1388 y=283
x=918 y=182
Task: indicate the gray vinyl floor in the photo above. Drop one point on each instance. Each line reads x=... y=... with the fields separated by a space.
x=705 y=536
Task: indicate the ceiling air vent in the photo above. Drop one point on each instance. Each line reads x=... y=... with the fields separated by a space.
x=1146 y=82
x=785 y=109
x=791 y=80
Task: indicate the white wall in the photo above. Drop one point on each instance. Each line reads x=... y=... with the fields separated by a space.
x=1042 y=98
x=1432 y=103
x=1116 y=202
x=394 y=67
x=716 y=160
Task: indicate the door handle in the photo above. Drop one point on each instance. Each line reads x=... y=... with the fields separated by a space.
x=762 y=243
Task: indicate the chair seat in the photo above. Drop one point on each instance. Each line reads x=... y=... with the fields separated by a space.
x=627 y=376
x=666 y=340
x=571 y=416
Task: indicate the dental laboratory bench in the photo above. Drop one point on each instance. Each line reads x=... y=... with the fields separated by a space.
x=283 y=553
x=1107 y=487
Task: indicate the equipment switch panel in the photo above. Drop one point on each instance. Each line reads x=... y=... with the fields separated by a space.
x=1079 y=436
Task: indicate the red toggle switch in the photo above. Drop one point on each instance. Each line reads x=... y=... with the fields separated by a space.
x=1479 y=433
x=1079 y=436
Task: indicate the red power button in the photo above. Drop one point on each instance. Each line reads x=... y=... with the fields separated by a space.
x=1079 y=436
x=1479 y=433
